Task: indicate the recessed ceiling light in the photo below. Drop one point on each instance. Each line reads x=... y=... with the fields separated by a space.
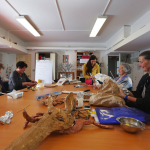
x=97 y=26
x=27 y=25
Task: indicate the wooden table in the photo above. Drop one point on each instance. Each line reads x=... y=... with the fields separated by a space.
x=89 y=138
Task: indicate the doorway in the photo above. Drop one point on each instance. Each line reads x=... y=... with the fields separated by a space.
x=113 y=66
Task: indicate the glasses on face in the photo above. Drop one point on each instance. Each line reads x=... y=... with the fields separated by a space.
x=120 y=69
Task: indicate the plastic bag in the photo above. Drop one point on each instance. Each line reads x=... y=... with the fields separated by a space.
x=109 y=115
x=108 y=95
x=99 y=78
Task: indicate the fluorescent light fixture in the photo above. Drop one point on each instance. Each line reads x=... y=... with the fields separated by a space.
x=97 y=26
x=27 y=25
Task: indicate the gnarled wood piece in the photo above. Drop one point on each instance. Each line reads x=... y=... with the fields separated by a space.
x=57 y=101
x=32 y=119
x=79 y=123
x=31 y=138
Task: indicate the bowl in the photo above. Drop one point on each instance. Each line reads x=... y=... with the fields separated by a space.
x=131 y=125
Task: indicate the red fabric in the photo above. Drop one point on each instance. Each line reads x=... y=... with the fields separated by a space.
x=40 y=57
x=85 y=56
x=88 y=81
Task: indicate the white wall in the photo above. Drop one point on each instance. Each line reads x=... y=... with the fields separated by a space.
x=8 y=60
x=140 y=22
x=103 y=57
x=8 y=36
x=72 y=60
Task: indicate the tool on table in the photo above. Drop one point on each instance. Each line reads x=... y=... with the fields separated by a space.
x=61 y=92
x=52 y=94
x=87 y=107
x=87 y=90
x=56 y=93
x=39 y=97
x=23 y=108
x=79 y=86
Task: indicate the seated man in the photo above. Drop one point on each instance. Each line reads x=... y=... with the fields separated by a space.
x=18 y=79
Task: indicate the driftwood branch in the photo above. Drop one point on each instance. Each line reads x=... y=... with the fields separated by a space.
x=54 y=119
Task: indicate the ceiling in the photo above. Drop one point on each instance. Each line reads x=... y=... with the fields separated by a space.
x=142 y=42
x=70 y=21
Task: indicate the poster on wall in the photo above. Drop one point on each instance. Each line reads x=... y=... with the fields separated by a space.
x=65 y=58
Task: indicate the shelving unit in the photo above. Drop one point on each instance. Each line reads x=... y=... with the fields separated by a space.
x=80 y=65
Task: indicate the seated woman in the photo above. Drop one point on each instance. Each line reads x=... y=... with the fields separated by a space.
x=124 y=79
x=141 y=97
x=90 y=68
x=18 y=79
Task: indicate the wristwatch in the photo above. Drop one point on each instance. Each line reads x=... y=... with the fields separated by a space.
x=126 y=97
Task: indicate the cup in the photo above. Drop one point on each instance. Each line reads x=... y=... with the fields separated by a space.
x=41 y=85
x=80 y=102
x=39 y=81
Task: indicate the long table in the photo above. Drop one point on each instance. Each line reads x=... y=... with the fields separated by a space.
x=90 y=137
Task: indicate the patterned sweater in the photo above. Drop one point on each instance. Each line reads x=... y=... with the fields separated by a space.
x=125 y=81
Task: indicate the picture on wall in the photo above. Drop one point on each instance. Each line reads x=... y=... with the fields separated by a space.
x=65 y=58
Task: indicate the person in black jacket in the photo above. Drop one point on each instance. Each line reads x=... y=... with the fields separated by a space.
x=18 y=79
x=141 y=97
x=1 y=82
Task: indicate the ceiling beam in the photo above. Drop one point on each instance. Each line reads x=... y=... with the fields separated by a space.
x=68 y=48
x=59 y=13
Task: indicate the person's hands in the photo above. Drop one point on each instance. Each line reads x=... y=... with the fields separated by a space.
x=91 y=76
x=122 y=94
x=96 y=86
x=34 y=82
x=31 y=84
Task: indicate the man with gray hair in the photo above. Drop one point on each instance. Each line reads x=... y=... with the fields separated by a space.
x=124 y=80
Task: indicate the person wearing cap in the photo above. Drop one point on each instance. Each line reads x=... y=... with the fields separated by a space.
x=124 y=79
x=140 y=98
x=18 y=79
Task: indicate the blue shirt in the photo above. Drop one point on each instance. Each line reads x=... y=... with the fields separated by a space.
x=125 y=80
